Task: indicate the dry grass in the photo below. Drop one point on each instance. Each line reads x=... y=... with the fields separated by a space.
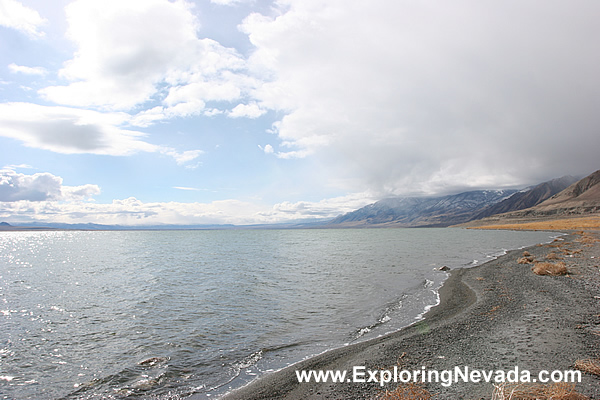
x=586 y=238
x=567 y=223
x=553 y=256
x=520 y=391
x=525 y=260
x=555 y=391
x=590 y=366
x=546 y=268
x=408 y=391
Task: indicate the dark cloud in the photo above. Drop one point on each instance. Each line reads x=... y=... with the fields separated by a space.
x=401 y=97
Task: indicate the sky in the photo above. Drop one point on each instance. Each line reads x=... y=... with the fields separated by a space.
x=146 y=112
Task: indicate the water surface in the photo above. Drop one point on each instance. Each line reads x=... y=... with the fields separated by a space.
x=169 y=314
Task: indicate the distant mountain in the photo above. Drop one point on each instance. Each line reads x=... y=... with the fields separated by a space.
x=422 y=211
x=100 y=227
x=5 y=226
x=307 y=223
x=529 y=197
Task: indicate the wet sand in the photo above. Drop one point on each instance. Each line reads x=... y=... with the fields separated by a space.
x=492 y=317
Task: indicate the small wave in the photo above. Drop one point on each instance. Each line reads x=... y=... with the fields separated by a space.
x=248 y=361
x=153 y=361
x=137 y=379
x=385 y=316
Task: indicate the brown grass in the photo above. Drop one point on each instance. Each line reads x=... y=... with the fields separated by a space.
x=555 y=391
x=586 y=238
x=525 y=260
x=408 y=391
x=567 y=223
x=546 y=268
x=553 y=256
x=590 y=366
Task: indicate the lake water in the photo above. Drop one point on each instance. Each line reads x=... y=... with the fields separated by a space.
x=171 y=314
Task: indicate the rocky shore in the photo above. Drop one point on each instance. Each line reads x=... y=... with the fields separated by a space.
x=495 y=317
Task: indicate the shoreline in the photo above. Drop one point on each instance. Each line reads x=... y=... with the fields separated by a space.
x=493 y=316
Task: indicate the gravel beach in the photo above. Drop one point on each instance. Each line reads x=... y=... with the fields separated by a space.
x=493 y=317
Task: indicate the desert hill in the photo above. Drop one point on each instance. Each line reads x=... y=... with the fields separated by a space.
x=582 y=198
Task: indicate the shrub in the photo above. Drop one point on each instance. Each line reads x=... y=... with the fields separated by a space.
x=589 y=366
x=546 y=268
x=409 y=391
x=553 y=256
x=555 y=391
x=525 y=260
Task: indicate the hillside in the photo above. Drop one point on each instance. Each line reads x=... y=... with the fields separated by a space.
x=582 y=198
x=582 y=194
x=529 y=197
x=422 y=211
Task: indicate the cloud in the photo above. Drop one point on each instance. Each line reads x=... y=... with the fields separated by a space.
x=404 y=97
x=40 y=187
x=75 y=131
x=130 y=53
x=184 y=157
x=17 y=166
x=326 y=208
x=70 y=131
x=268 y=149
x=14 y=68
x=251 y=110
x=187 y=188
x=229 y=2
x=132 y=211
x=15 y=15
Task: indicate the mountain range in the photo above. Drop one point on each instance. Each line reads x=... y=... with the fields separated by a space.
x=562 y=196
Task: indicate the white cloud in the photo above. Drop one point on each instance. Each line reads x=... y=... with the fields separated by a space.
x=183 y=157
x=326 y=208
x=14 y=68
x=57 y=203
x=75 y=131
x=251 y=110
x=189 y=189
x=70 y=130
x=268 y=149
x=421 y=97
x=23 y=166
x=229 y=2
x=135 y=51
x=40 y=187
x=15 y=15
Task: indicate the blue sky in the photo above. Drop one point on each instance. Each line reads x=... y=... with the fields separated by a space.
x=250 y=111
